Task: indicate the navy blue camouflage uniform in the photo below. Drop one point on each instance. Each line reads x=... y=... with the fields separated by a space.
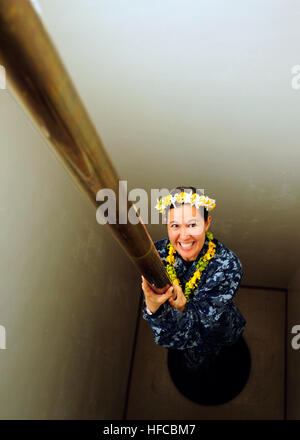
x=211 y=319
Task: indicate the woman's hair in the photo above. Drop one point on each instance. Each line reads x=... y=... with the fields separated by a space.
x=180 y=189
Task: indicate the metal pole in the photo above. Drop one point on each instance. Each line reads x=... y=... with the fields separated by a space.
x=40 y=83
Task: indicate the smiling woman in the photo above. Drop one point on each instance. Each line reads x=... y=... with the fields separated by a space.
x=196 y=316
x=186 y=230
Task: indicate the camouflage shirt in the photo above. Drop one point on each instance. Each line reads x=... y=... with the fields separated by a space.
x=211 y=318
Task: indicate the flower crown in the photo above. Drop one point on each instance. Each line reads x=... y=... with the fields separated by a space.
x=192 y=198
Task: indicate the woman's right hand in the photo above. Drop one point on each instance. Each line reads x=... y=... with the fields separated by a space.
x=152 y=299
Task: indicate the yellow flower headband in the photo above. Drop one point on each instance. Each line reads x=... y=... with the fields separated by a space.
x=192 y=198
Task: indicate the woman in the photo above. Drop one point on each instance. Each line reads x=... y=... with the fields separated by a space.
x=197 y=314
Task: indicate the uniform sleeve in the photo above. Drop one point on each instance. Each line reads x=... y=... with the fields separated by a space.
x=210 y=318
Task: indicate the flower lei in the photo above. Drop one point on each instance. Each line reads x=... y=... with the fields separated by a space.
x=201 y=266
x=185 y=197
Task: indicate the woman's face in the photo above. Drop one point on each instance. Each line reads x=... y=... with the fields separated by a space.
x=186 y=230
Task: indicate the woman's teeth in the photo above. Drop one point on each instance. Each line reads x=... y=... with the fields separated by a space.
x=186 y=245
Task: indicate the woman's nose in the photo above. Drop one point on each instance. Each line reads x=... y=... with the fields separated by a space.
x=183 y=232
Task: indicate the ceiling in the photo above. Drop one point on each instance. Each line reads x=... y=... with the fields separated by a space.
x=198 y=93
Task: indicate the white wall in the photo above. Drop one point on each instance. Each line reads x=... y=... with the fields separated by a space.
x=69 y=295
x=198 y=92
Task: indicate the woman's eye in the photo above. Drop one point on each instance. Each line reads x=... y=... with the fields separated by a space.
x=192 y=224
x=172 y=226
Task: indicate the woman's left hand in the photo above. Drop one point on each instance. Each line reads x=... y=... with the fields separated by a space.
x=178 y=300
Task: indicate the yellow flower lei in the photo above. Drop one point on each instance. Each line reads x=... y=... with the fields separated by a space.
x=201 y=266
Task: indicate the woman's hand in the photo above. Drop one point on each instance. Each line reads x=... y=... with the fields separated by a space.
x=178 y=301
x=152 y=299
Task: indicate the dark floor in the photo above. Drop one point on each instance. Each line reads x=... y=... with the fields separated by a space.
x=153 y=395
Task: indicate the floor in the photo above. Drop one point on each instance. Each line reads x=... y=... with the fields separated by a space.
x=153 y=396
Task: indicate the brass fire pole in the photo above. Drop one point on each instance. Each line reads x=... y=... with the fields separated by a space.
x=40 y=83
